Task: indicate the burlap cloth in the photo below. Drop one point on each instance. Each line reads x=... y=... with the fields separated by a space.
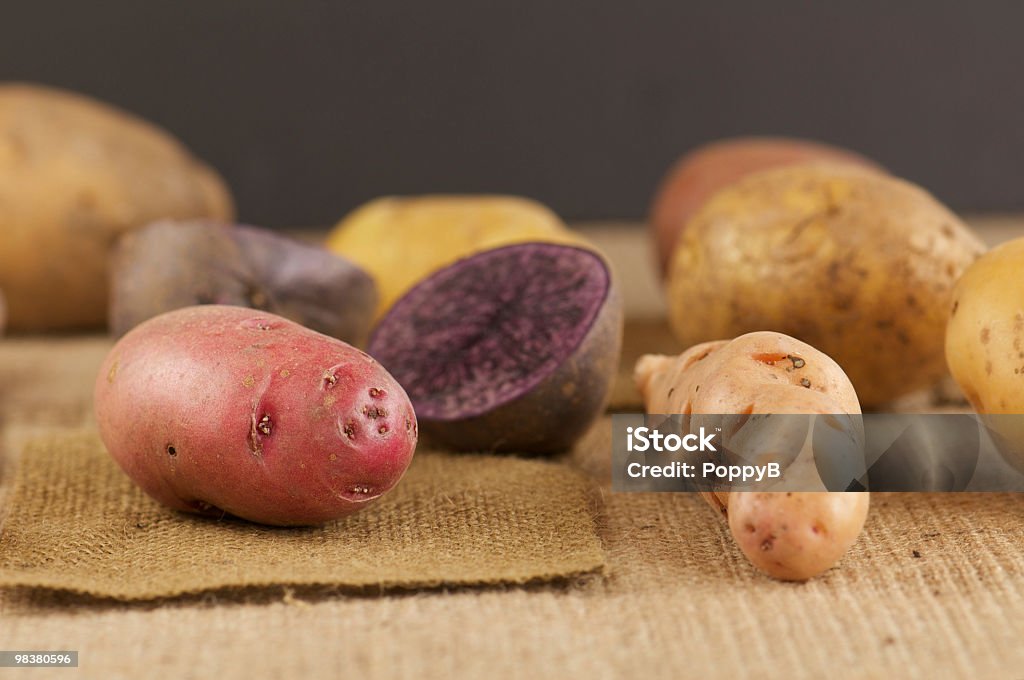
x=77 y=523
x=933 y=588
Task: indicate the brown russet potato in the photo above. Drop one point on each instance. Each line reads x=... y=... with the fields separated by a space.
x=74 y=175
x=698 y=174
x=857 y=264
x=788 y=535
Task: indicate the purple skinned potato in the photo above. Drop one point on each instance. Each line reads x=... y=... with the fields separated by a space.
x=169 y=265
x=309 y=284
x=511 y=349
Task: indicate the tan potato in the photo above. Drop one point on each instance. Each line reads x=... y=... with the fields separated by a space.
x=796 y=535
x=699 y=174
x=74 y=175
x=855 y=263
x=985 y=334
x=985 y=342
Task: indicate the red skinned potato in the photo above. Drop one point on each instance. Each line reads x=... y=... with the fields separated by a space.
x=168 y=265
x=703 y=171
x=216 y=409
x=792 y=536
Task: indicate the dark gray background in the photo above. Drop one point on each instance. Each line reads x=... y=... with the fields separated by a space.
x=309 y=108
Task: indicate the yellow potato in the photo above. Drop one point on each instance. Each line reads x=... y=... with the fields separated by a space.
x=788 y=535
x=985 y=333
x=74 y=175
x=985 y=342
x=855 y=263
x=400 y=240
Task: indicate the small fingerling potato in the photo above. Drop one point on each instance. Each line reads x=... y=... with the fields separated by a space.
x=796 y=535
x=788 y=535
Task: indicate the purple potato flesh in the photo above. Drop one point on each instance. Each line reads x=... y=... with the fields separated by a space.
x=512 y=349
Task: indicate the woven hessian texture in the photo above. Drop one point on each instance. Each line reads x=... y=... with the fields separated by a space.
x=78 y=523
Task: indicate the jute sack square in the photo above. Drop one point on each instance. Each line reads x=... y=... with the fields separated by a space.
x=77 y=523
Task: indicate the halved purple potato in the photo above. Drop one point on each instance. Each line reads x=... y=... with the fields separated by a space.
x=511 y=349
x=169 y=265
